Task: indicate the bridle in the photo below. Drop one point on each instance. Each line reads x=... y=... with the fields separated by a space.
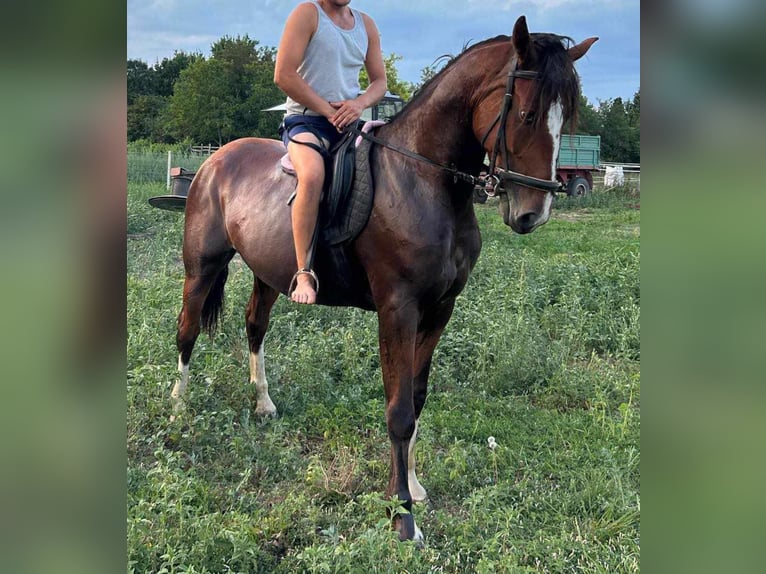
x=493 y=181
x=495 y=175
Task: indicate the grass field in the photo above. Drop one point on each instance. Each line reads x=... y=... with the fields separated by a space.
x=542 y=353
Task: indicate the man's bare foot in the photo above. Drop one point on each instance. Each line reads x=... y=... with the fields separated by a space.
x=304 y=290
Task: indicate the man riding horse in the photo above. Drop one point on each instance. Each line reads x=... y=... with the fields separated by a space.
x=323 y=47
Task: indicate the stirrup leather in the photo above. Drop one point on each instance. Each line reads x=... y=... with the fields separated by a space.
x=294 y=280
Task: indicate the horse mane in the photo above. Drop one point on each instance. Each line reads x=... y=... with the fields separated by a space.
x=558 y=77
x=429 y=85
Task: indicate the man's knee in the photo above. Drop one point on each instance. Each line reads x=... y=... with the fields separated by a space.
x=310 y=183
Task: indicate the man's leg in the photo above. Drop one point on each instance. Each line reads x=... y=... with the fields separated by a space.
x=309 y=167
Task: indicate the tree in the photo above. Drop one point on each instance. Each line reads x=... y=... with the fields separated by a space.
x=238 y=54
x=396 y=86
x=426 y=74
x=616 y=135
x=149 y=89
x=201 y=108
x=221 y=99
x=140 y=80
x=169 y=70
x=146 y=118
x=633 y=109
x=588 y=121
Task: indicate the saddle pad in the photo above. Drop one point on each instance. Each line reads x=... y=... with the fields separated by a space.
x=353 y=210
x=287 y=165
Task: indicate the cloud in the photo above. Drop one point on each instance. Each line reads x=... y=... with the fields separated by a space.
x=419 y=31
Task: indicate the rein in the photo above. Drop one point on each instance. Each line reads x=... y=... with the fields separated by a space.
x=492 y=182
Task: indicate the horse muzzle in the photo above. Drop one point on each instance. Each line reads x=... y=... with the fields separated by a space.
x=524 y=221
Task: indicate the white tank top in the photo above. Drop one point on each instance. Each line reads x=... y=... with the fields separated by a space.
x=332 y=61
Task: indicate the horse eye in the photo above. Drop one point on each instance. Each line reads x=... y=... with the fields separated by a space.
x=527 y=117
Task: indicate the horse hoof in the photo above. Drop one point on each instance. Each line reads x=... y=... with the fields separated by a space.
x=419 y=539
x=266 y=413
x=408 y=530
x=418 y=493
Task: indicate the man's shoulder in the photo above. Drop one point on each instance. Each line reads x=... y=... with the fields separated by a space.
x=306 y=7
x=368 y=21
x=306 y=10
x=305 y=15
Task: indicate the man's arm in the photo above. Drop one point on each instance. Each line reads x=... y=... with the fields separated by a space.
x=376 y=69
x=351 y=110
x=299 y=28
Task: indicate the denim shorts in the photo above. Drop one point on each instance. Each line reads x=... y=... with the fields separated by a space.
x=318 y=125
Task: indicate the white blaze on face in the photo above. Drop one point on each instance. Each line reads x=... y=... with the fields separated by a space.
x=555 y=124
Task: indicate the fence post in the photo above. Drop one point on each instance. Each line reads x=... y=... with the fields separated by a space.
x=170 y=161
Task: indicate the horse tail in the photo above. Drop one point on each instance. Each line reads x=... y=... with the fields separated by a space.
x=213 y=305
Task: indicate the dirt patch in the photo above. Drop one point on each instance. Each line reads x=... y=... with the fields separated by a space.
x=578 y=215
x=140 y=235
x=631 y=230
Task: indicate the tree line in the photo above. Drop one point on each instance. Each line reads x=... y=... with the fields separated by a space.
x=618 y=123
x=190 y=99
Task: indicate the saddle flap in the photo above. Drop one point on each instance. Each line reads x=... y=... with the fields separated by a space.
x=342 y=177
x=354 y=205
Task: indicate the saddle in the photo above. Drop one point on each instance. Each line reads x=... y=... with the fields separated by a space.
x=348 y=192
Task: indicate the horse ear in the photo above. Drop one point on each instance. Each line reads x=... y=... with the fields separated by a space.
x=521 y=38
x=578 y=51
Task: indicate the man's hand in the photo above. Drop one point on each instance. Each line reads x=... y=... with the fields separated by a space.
x=346 y=113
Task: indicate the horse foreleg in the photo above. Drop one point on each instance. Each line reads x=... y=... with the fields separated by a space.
x=397 y=331
x=256 y=323
x=429 y=333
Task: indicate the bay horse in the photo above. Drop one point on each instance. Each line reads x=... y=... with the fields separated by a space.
x=507 y=96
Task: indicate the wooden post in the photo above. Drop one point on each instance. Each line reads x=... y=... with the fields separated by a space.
x=170 y=161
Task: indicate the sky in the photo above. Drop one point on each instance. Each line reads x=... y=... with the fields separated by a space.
x=419 y=30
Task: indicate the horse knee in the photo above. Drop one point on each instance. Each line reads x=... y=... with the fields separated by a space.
x=400 y=421
x=419 y=399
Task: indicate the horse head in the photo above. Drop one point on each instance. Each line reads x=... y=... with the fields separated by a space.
x=536 y=89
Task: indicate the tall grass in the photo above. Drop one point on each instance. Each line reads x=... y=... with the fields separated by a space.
x=542 y=353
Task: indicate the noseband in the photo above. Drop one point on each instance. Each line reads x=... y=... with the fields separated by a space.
x=493 y=181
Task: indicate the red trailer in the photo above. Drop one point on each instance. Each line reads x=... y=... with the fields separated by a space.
x=579 y=157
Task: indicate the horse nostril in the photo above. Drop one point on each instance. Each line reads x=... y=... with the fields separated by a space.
x=526 y=221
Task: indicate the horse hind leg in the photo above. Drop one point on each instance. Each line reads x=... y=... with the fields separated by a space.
x=202 y=304
x=256 y=323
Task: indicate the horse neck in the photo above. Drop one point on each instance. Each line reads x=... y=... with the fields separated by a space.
x=439 y=122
